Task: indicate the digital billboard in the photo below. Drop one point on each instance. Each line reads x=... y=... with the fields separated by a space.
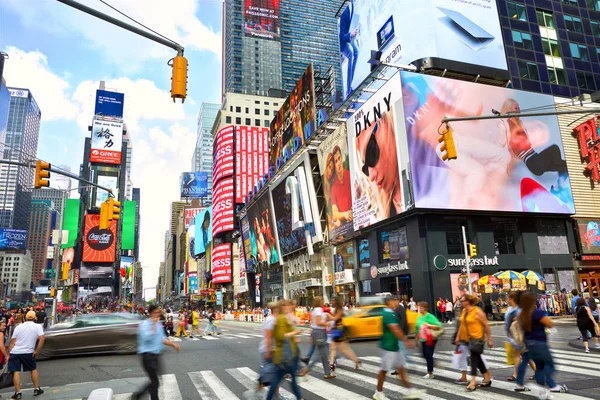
x=251 y=158
x=107 y=139
x=194 y=185
x=249 y=244
x=203 y=226
x=262 y=232
x=222 y=206
x=13 y=239
x=189 y=214
x=334 y=163
x=125 y=268
x=406 y=31
x=223 y=154
x=507 y=164
x=110 y=182
x=296 y=120
x=374 y=157
x=261 y=19
x=96 y=271
x=589 y=235
x=98 y=244
x=221 y=263
x=109 y=103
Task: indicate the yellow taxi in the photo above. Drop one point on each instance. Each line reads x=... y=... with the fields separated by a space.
x=365 y=321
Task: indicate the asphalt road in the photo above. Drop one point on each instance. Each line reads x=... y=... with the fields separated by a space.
x=223 y=367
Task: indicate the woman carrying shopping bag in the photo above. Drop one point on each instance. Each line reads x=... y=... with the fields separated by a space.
x=428 y=329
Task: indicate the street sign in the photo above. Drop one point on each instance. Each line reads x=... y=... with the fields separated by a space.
x=219 y=298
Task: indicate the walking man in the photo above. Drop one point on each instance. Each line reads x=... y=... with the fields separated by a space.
x=23 y=351
x=195 y=323
x=151 y=340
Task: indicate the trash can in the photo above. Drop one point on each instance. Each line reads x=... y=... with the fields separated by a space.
x=101 y=394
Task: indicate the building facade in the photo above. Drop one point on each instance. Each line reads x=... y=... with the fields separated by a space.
x=4 y=106
x=247 y=110
x=38 y=238
x=21 y=142
x=57 y=197
x=203 y=153
x=15 y=271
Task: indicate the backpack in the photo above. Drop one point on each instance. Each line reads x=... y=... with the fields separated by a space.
x=516 y=333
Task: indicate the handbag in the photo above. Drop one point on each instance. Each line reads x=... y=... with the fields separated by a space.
x=267 y=372
x=6 y=378
x=319 y=337
x=437 y=333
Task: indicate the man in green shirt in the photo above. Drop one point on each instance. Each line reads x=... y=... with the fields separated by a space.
x=392 y=358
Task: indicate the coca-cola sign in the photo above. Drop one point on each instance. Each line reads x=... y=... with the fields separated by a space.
x=99 y=244
x=99 y=239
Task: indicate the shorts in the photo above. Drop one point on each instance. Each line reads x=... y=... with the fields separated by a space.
x=392 y=360
x=24 y=361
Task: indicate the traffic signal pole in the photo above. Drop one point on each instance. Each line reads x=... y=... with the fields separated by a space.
x=464 y=234
x=498 y=115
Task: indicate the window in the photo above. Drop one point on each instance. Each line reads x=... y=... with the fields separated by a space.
x=276 y=104
x=557 y=76
x=257 y=122
x=595 y=28
x=248 y=121
x=454 y=238
x=516 y=11
x=256 y=101
x=394 y=245
x=506 y=235
x=257 y=111
x=579 y=51
x=550 y=47
x=247 y=110
x=231 y=108
x=585 y=80
x=522 y=39
x=528 y=70
x=267 y=112
x=266 y=103
x=238 y=109
x=593 y=4
x=228 y=120
x=267 y=123
x=238 y=121
x=545 y=18
x=573 y=23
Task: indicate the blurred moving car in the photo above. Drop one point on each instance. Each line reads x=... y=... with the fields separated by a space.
x=92 y=334
x=365 y=321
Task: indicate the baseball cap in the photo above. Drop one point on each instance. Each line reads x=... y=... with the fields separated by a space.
x=31 y=315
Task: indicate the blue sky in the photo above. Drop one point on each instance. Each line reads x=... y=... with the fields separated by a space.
x=61 y=54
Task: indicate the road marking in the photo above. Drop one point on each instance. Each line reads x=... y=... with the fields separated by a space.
x=210 y=387
x=240 y=336
x=174 y=339
x=208 y=337
x=249 y=379
x=169 y=389
x=327 y=390
x=559 y=359
x=447 y=355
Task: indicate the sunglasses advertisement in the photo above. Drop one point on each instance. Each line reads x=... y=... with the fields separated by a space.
x=377 y=193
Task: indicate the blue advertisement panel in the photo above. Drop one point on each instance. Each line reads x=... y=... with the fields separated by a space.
x=203 y=230
x=249 y=244
x=13 y=239
x=194 y=184
x=109 y=103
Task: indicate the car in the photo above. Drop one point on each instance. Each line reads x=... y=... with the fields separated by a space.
x=365 y=322
x=92 y=334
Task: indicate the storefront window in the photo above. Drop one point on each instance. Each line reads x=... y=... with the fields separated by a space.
x=552 y=237
x=364 y=256
x=394 y=246
x=343 y=257
x=454 y=238
x=506 y=235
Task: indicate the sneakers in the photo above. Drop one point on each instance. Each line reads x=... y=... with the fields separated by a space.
x=38 y=391
x=413 y=393
x=380 y=396
x=559 y=389
x=587 y=350
x=428 y=376
x=545 y=395
x=17 y=395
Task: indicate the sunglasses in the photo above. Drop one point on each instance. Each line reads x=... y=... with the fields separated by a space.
x=372 y=152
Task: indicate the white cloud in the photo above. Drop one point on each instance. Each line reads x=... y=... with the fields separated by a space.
x=30 y=70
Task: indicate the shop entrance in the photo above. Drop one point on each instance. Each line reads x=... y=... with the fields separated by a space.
x=589 y=283
x=400 y=285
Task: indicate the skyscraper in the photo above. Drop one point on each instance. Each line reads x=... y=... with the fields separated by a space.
x=4 y=104
x=203 y=154
x=57 y=196
x=20 y=144
x=38 y=237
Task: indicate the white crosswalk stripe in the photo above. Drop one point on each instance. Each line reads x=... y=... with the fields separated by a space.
x=211 y=387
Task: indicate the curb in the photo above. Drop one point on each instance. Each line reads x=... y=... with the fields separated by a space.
x=578 y=344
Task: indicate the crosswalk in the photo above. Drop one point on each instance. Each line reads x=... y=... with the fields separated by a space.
x=349 y=384
x=226 y=335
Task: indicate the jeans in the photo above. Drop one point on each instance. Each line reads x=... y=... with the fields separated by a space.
x=292 y=370
x=522 y=368
x=428 y=354
x=351 y=53
x=544 y=364
x=211 y=328
x=151 y=364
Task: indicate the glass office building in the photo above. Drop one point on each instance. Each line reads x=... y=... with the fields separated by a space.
x=552 y=46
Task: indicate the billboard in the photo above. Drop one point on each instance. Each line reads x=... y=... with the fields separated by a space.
x=125 y=267
x=98 y=244
x=460 y=284
x=243 y=286
x=508 y=164
x=13 y=239
x=589 y=235
x=107 y=139
x=249 y=244
x=261 y=19
x=221 y=263
x=264 y=247
x=96 y=271
x=189 y=214
x=194 y=185
x=334 y=164
x=109 y=103
x=251 y=158
x=460 y=31
x=110 y=182
x=374 y=157
x=203 y=227
x=296 y=120
x=223 y=154
x=223 y=206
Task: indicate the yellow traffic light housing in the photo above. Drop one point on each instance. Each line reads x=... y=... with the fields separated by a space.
x=472 y=250
x=42 y=174
x=179 y=78
x=448 y=145
x=114 y=209
x=104 y=215
x=65 y=271
x=53 y=292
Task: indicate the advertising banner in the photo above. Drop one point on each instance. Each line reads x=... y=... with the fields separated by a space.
x=262 y=232
x=222 y=206
x=261 y=19
x=508 y=164
x=223 y=154
x=194 y=185
x=107 y=139
x=296 y=120
x=248 y=244
x=96 y=271
x=243 y=287
x=13 y=239
x=125 y=268
x=221 y=263
x=251 y=158
x=189 y=215
x=203 y=227
x=374 y=157
x=193 y=283
x=109 y=104
x=462 y=31
x=111 y=182
x=589 y=235
x=334 y=164
x=395 y=245
x=460 y=284
x=98 y=244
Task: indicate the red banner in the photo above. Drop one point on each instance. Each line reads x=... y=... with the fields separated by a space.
x=223 y=206
x=223 y=154
x=99 y=244
x=253 y=148
x=190 y=213
x=221 y=263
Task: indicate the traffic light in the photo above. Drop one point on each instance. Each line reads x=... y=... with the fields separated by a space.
x=472 y=250
x=114 y=209
x=65 y=271
x=104 y=214
x=179 y=78
x=42 y=174
x=448 y=145
x=53 y=292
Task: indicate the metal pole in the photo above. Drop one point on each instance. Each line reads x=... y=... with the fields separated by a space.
x=522 y=115
x=57 y=260
x=464 y=233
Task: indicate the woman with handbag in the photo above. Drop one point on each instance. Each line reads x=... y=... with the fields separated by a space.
x=586 y=323
x=319 y=321
x=473 y=329
x=340 y=336
x=429 y=330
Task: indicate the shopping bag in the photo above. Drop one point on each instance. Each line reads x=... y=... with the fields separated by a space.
x=6 y=378
x=510 y=353
x=456 y=360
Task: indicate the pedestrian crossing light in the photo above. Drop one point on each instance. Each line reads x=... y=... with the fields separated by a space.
x=42 y=174
x=114 y=209
x=179 y=78
x=472 y=250
x=448 y=145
